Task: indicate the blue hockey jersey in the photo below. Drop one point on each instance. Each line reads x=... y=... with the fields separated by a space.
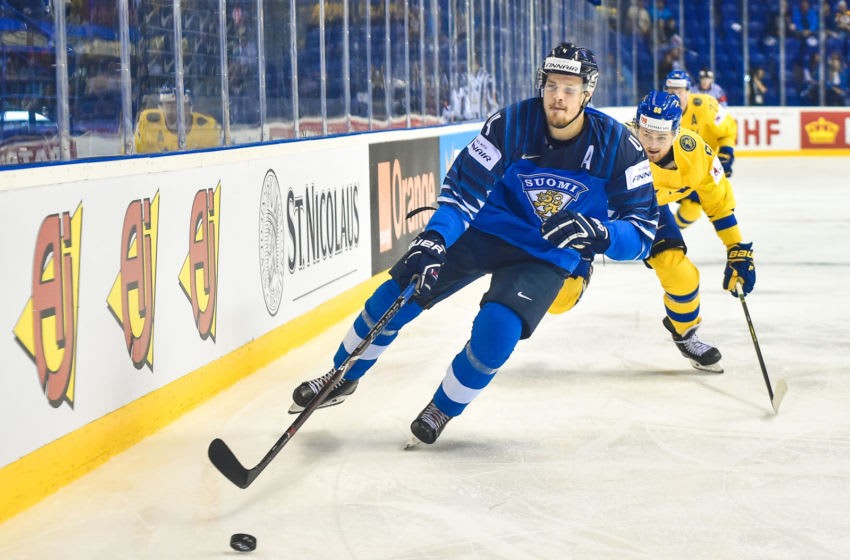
x=513 y=176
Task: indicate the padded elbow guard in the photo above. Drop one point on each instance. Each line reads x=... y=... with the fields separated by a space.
x=689 y=211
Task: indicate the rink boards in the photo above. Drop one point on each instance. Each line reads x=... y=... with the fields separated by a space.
x=136 y=288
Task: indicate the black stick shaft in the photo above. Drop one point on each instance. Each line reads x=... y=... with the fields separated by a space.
x=755 y=342
x=226 y=462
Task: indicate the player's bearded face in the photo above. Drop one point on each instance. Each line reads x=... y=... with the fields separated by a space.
x=562 y=99
x=656 y=144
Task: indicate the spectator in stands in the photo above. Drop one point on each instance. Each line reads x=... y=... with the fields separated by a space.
x=672 y=59
x=637 y=19
x=809 y=89
x=805 y=19
x=665 y=23
x=757 y=88
x=668 y=32
x=778 y=18
x=841 y=19
x=828 y=20
x=707 y=85
x=836 y=80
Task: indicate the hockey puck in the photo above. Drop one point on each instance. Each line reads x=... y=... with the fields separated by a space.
x=243 y=542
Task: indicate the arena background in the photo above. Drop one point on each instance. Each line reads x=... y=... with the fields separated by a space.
x=144 y=153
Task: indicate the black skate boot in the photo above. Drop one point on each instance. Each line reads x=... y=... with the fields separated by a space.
x=701 y=354
x=428 y=426
x=305 y=392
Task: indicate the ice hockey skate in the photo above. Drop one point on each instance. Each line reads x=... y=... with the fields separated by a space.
x=305 y=392
x=428 y=426
x=701 y=354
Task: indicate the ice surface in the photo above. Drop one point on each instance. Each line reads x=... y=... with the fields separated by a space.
x=596 y=441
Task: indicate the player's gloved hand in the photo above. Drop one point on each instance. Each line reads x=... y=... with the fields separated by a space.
x=740 y=268
x=726 y=155
x=425 y=256
x=567 y=229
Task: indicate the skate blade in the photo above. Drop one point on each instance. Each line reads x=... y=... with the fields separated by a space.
x=296 y=409
x=712 y=368
x=779 y=394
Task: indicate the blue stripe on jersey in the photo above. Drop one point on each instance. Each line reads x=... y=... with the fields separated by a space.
x=683 y=317
x=725 y=223
x=685 y=298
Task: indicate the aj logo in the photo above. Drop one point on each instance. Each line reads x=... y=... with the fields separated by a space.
x=47 y=328
x=131 y=299
x=199 y=273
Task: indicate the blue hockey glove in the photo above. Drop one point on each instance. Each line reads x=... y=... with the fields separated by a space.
x=567 y=229
x=726 y=155
x=425 y=257
x=740 y=268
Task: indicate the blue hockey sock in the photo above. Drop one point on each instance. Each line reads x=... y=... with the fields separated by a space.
x=375 y=306
x=495 y=333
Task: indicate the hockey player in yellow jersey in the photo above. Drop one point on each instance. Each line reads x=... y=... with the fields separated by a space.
x=703 y=114
x=682 y=163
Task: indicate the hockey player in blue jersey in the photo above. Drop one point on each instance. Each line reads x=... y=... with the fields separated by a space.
x=547 y=184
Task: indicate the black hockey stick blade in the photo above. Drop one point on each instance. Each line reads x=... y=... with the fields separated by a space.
x=227 y=464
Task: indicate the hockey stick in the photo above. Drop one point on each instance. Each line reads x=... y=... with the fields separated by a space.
x=781 y=386
x=226 y=462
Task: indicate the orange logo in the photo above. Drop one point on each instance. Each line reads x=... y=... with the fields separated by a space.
x=199 y=274
x=398 y=195
x=47 y=328
x=131 y=299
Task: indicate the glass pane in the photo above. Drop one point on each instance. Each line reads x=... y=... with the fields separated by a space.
x=379 y=42
x=416 y=53
x=156 y=127
x=202 y=72
x=243 y=71
x=360 y=63
x=398 y=73
x=94 y=80
x=28 y=128
x=432 y=53
x=451 y=98
x=334 y=61
x=309 y=76
x=278 y=69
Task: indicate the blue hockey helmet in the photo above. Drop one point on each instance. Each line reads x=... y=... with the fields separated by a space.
x=659 y=111
x=678 y=79
x=570 y=60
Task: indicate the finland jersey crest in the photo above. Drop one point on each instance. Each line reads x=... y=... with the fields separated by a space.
x=549 y=193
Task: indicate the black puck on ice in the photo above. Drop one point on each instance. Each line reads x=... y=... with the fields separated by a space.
x=243 y=542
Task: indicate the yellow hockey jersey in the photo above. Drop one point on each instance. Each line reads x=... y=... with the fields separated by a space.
x=707 y=118
x=695 y=168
